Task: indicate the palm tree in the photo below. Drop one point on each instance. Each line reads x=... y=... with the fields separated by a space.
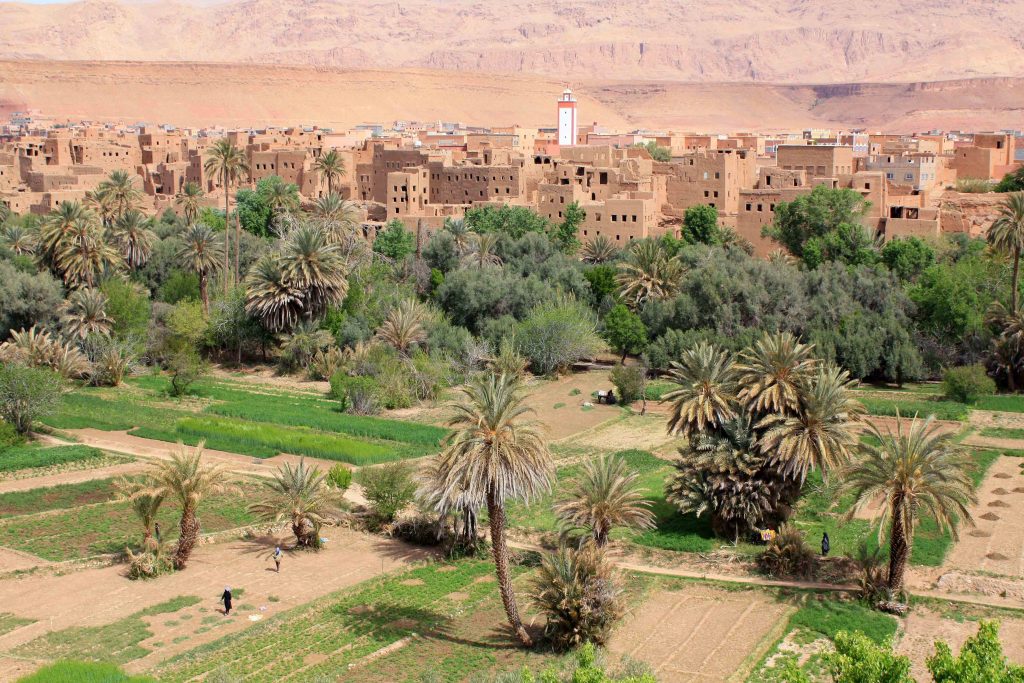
x=403 y=328
x=1007 y=236
x=648 y=273
x=58 y=224
x=19 y=239
x=773 y=372
x=229 y=163
x=103 y=204
x=200 y=253
x=460 y=232
x=315 y=267
x=482 y=250
x=189 y=200
x=707 y=380
x=120 y=187
x=300 y=494
x=916 y=471
x=460 y=502
x=330 y=166
x=599 y=250
x=605 y=495
x=84 y=314
x=821 y=432
x=134 y=238
x=270 y=296
x=495 y=455
x=186 y=480
x=281 y=197
x=5 y=212
x=83 y=255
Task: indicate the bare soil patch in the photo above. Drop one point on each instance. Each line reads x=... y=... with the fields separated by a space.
x=698 y=633
x=647 y=433
x=923 y=627
x=570 y=393
x=996 y=544
x=104 y=595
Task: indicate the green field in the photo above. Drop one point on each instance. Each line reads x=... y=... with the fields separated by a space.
x=36 y=456
x=117 y=642
x=326 y=636
x=78 y=532
x=59 y=497
x=1003 y=432
x=234 y=417
x=923 y=407
x=83 y=672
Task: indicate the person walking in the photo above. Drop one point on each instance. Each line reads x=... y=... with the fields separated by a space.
x=825 y=546
x=277 y=558
x=226 y=599
x=159 y=539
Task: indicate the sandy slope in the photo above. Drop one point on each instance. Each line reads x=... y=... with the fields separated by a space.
x=793 y=41
x=249 y=95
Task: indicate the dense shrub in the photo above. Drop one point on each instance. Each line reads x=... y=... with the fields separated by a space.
x=26 y=299
x=9 y=436
x=356 y=394
x=788 y=555
x=185 y=367
x=629 y=381
x=576 y=590
x=967 y=384
x=556 y=335
x=388 y=488
x=340 y=477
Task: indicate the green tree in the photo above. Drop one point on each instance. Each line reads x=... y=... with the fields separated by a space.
x=497 y=456
x=28 y=394
x=395 y=241
x=566 y=233
x=915 y=471
x=908 y=257
x=189 y=200
x=981 y=660
x=858 y=659
x=1012 y=182
x=129 y=307
x=514 y=221
x=625 y=331
x=820 y=214
x=602 y=281
x=657 y=153
x=700 y=225
x=556 y=334
x=388 y=488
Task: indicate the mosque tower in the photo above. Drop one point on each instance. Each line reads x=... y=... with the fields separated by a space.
x=567 y=119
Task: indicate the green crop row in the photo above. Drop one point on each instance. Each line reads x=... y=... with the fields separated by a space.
x=31 y=456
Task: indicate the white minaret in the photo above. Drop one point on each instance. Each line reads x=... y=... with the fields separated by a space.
x=567 y=119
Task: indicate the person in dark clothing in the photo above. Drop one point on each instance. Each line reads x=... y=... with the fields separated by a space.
x=824 y=544
x=157 y=529
x=226 y=599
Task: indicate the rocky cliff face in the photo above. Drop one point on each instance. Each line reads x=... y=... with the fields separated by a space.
x=793 y=41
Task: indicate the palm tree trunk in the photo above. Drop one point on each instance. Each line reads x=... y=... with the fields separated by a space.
x=203 y=294
x=238 y=242
x=899 y=549
x=497 y=518
x=227 y=232
x=189 y=526
x=1016 y=279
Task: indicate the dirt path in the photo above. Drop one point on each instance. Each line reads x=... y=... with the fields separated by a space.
x=101 y=596
x=699 y=633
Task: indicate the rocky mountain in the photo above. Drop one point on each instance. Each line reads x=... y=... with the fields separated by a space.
x=777 y=41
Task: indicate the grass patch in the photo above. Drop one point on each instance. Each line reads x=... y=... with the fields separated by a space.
x=1007 y=403
x=829 y=617
x=32 y=456
x=942 y=410
x=117 y=643
x=9 y=622
x=58 y=497
x=83 y=672
x=1003 y=432
x=656 y=389
x=82 y=532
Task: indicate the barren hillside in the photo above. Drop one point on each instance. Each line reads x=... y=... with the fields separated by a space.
x=201 y=94
x=789 y=41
